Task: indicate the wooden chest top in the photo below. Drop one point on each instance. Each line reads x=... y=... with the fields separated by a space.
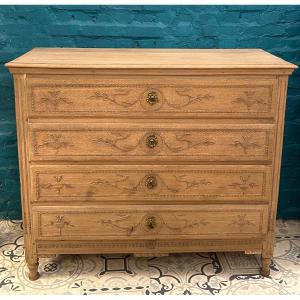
x=110 y=58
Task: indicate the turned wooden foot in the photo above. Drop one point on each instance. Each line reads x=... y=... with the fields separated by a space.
x=33 y=271
x=265 y=269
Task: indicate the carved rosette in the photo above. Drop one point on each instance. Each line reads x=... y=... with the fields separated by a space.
x=152 y=99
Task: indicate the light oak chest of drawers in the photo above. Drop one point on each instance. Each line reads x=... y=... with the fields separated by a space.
x=149 y=151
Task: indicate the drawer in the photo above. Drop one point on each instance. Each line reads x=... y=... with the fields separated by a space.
x=163 y=96
x=151 y=142
x=150 y=184
x=165 y=222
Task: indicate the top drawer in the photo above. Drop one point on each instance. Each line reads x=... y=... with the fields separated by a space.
x=160 y=96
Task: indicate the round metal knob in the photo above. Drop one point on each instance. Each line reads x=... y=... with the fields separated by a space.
x=152 y=97
x=152 y=141
x=151 y=182
x=151 y=222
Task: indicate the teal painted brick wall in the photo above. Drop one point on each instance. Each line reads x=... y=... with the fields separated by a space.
x=273 y=28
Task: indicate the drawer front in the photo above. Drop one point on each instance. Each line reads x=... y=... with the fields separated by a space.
x=150 y=184
x=77 y=222
x=151 y=142
x=171 y=96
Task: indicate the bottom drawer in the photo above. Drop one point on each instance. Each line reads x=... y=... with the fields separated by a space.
x=148 y=222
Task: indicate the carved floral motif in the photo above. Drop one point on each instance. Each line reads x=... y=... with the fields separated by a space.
x=118 y=220
x=55 y=142
x=55 y=99
x=244 y=184
x=190 y=98
x=185 y=140
x=246 y=143
x=241 y=222
x=123 y=183
x=57 y=186
x=188 y=142
x=151 y=222
x=185 y=184
x=184 y=221
x=186 y=94
x=115 y=141
x=118 y=183
x=249 y=99
x=60 y=223
x=114 y=97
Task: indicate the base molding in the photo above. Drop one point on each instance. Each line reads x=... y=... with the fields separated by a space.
x=143 y=247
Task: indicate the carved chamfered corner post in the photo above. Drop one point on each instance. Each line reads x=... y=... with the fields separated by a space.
x=268 y=245
x=21 y=115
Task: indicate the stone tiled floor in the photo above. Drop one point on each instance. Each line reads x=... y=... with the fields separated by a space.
x=195 y=273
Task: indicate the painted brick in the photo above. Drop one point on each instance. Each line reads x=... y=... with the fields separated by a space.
x=227 y=43
x=254 y=9
x=293 y=30
x=167 y=16
x=184 y=28
x=272 y=28
x=230 y=17
x=149 y=43
x=61 y=30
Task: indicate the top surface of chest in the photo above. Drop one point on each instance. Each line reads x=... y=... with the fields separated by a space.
x=149 y=59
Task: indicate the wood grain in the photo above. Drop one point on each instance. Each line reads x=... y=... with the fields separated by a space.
x=149 y=58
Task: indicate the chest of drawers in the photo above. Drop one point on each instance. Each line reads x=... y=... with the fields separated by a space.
x=149 y=151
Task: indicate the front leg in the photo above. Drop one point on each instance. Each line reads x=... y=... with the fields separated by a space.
x=265 y=269
x=33 y=265
x=267 y=254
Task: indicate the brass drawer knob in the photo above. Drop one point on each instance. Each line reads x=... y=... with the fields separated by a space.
x=151 y=182
x=152 y=97
x=151 y=222
x=152 y=141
